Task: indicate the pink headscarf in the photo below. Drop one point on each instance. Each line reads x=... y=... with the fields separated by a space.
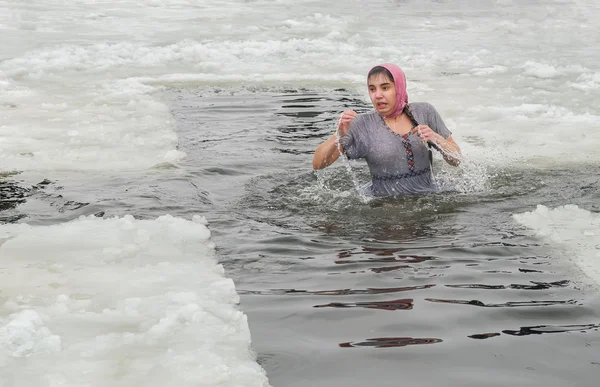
x=400 y=83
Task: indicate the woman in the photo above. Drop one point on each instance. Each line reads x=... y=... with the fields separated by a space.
x=394 y=138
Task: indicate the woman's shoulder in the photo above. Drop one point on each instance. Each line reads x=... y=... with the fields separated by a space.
x=367 y=119
x=421 y=107
x=363 y=123
x=423 y=112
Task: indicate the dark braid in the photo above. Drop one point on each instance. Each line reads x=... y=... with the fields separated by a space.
x=410 y=115
x=415 y=123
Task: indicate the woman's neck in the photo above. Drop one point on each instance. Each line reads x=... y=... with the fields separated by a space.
x=400 y=124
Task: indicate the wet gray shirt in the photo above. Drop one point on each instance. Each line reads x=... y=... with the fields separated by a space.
x=398 y=164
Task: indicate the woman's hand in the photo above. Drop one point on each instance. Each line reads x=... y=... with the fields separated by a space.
x=330 y=150
x=345 y=120
x=447 y=146
x=426 y=134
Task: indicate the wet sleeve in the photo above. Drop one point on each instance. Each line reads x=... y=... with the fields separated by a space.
x=435 y=122
x=353 y=141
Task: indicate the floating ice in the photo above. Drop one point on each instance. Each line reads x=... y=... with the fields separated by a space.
x=120 y=302
x=540 y=70
x=575 y=228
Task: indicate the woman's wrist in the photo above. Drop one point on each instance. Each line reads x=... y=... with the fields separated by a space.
x=445 y=144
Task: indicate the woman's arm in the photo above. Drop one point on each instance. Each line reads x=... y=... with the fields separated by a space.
x=438 y=134
x=329 y=151
x=449 y=150
x=447 y=146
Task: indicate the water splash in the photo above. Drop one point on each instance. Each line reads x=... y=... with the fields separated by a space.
x=347 y=165
x=468 y=177
x=357 y=186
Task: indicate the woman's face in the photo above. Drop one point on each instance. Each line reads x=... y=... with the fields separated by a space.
x=383 y=93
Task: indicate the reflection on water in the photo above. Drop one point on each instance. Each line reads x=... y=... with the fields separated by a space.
x=482 y=336
x=403 y=304
x=511 y=304
x=340 y=292
x=405 y=258
x=541 y=329
x=536 y=285
x=388 y=342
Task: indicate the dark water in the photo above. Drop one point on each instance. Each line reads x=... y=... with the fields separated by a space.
x=438 y=290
